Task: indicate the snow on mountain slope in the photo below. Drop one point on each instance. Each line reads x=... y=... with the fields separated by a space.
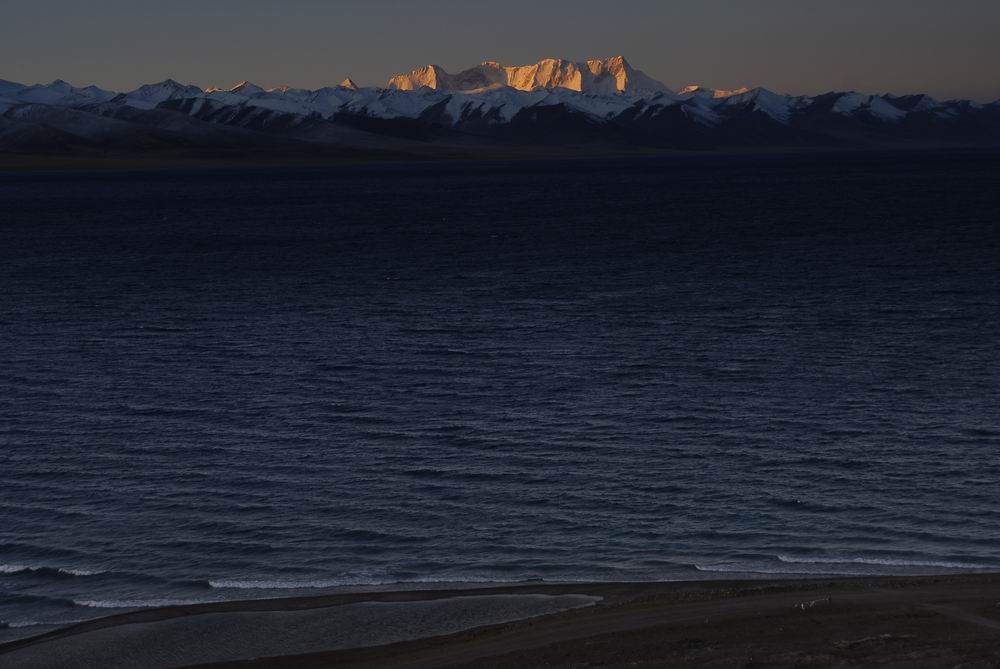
x=778 y=107
x=61 y=93
x=701 y=113
x=327 y=101
x=8 y=93
x=713 y=93
x=394 y=104
x=295 y=93
x=499 y=105
x=626 y=79
x=429 y=76
x=246 y=88
x=9 y=86
x=66 y=119
x=324 y=101
x=606 y=76
x=599 y=107
x=885 y=111
x=699 y=110
x=926 y=103
x=235 y=95
x=914 y=103
x=151 y=95
x=550 y=73
x=496 y=105
x=711 y=102
x=850 y=104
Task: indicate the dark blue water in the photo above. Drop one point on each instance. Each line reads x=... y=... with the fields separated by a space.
x=216 y=384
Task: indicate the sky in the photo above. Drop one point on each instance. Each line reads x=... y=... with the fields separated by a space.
x=947 y=48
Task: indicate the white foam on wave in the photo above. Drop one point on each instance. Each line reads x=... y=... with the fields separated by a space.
x=884 y=562
x=83 y=572
x=139 y=603
x=792 y=565
x=742 y=568
x=22 y=568
x=12 y=568
x=347 y=581
x=468 y=580
x=241 y=584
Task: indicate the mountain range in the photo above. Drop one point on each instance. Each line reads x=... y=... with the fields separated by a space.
x=597 y=103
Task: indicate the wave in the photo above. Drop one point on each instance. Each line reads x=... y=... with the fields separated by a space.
x=789 y=565
x=284 y=584
x=741 y=568
x=237 y=584
x=139 y=603
x=884 y=562
x=64 y=572
x=473 y=579
x=18 y=624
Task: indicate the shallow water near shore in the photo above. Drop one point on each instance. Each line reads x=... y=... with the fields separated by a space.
x=231 y=384
x=248 y=635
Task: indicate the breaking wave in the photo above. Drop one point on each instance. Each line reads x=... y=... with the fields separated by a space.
x=237 y=584
x=746 y=568
x=354 y=581
x=885 y=562
x=139 y=603
x=64 y=572
x=794 y=565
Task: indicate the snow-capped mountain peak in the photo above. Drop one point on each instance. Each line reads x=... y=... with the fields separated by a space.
x=149 y=96
x=778 y=107
x=61 y=92
x=429 y=76
x=852 y=104
x=914 y=103
x=702 y=91
x=246 y=88
x=606 y=76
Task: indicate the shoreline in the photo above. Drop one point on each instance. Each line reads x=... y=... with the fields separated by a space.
x=932 y=612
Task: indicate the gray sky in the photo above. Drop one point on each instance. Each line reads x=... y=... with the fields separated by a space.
x=948 y=48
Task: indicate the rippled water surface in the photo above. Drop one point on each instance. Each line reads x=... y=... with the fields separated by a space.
x=225 y=383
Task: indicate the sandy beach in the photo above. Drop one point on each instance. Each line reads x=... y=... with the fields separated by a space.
x=944 y=621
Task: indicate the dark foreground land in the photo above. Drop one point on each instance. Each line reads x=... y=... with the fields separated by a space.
x=886 y=622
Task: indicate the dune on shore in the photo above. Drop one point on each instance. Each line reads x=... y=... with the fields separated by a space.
x=941 y=621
